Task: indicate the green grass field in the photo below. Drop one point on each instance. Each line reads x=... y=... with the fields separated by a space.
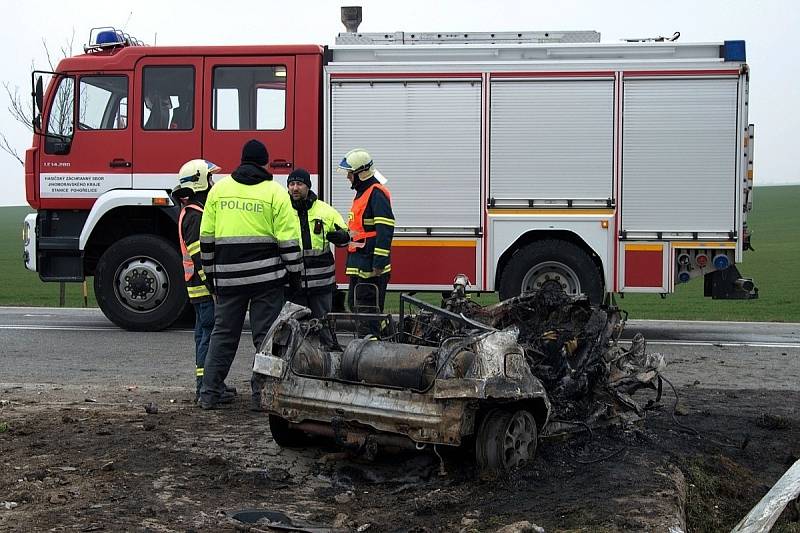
x=21 y=287
x=774 y=267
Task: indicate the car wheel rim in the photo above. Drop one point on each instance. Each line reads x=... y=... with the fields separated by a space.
x=549 y=274
x=141 y=284
x=518 y=440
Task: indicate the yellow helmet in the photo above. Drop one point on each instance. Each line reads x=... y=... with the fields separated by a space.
x=195 y=176
x=359 y=162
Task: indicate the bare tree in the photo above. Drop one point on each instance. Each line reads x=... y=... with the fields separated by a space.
x=22 y=109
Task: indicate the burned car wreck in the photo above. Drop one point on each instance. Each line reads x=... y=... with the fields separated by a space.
x=496 y=377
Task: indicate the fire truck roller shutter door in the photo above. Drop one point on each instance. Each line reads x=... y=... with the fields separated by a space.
x=552 y=262
x=139 y=283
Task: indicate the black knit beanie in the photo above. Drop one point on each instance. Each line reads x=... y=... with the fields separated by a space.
x=255 y=152
x=301 y=175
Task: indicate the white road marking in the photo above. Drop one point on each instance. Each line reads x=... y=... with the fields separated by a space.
x=36 y=327
x=724 y=344
x=665 y=342
x=58 y=328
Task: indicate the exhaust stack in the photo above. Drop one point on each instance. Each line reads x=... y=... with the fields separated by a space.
x=351 y=18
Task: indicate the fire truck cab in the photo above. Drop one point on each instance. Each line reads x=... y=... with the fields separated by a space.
x=521 y=159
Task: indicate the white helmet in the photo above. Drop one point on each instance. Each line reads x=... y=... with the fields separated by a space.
x=195 y=176
x=359 y=162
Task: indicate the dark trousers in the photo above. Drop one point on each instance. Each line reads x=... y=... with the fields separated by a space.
x=229 y=313
x=320 y=304
x=362 y=298
x=203 y=325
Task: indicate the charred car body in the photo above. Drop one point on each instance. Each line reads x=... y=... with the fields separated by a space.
x=454 y=375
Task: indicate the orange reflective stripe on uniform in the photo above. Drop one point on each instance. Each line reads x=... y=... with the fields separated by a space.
x=186 y=252
x=356 y=217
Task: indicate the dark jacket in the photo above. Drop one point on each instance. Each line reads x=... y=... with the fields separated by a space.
x=378 y=217
x=247 y=234
x=319 y=225
x=190 y=231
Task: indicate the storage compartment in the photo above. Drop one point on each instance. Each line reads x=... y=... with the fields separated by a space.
x=425 y=137
x=679 y=156
x=552 y=140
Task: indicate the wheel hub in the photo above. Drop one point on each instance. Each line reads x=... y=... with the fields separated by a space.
x=141 y=284
x=506 y=441
x=518 y=440
x=552 y=274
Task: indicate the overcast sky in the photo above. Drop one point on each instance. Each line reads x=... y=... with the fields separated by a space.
x=771 y=29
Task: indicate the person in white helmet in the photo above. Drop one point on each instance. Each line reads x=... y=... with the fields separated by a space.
x=371 y=225
x=194 y=182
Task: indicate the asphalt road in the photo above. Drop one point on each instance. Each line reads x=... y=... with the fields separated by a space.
x=80 y=348
x=656 y=331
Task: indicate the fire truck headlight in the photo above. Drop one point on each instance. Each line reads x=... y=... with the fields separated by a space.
x=26 y=233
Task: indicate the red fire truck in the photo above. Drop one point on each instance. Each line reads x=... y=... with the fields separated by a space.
x=519 y=159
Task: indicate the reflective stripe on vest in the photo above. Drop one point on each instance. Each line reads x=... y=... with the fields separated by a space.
x=356 y=220
x=188 y=265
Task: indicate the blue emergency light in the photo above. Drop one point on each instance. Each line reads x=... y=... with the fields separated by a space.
x=108 y=37
x=733 y=51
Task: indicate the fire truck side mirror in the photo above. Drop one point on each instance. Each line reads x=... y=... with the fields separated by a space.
x=39 y=95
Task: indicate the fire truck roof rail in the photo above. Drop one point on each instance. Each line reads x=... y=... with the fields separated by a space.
x=106 y=37
x=500 y=37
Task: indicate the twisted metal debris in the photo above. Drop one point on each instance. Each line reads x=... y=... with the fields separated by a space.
x=570 y=345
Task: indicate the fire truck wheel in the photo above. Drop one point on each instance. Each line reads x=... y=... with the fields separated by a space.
x=138 y=283
x=551 y=262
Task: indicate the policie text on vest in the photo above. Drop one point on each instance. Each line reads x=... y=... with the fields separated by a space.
x=242 y=205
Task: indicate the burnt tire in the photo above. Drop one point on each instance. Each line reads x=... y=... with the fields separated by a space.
x=505 y=441
x=285 y=436
x=550 y=262
x=139 y=283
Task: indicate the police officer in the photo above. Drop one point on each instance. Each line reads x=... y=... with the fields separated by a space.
x=318 y=225
x=194 y=181
x=371 y=225
x=248 y=245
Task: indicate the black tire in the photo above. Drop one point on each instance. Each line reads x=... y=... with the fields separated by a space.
x=139 y=283
x=285 y=436
x=186 y=319
x=505 y=441
x=552 y=261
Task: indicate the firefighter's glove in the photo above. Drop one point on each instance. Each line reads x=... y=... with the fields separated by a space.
x=339 y=237
x=295 y=282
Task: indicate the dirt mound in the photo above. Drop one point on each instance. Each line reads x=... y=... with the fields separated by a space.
x=75 y=465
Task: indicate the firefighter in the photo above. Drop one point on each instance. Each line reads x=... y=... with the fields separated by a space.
x=248 y=246
x=371 y=225
x=319 y=225
x=194 y=181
